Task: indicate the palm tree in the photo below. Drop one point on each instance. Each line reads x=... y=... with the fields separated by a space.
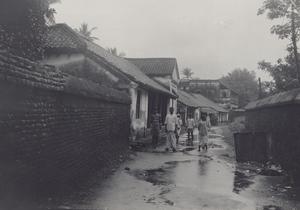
x=187 y=72
x=86 y=32
x=114 y=51
x=50 y=12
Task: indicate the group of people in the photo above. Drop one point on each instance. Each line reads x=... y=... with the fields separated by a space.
x=173 y=125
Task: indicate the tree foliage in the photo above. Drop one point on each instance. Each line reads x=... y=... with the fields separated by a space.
x=23 y=26
x=243 y=82
x=288 y=11
x=115 y=52
x=86 y=31
x=281 y=9
x=283 y=73
x=187 y=72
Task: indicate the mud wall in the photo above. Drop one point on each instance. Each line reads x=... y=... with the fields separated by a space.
x=281 y=125
x=56 y=130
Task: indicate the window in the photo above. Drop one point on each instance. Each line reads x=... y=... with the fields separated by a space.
x=138 y=105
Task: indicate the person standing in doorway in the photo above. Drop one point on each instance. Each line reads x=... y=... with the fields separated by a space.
x=190 y=130
x=178 y=130
x=155 y=125
x=171 y=123
x=203 y=133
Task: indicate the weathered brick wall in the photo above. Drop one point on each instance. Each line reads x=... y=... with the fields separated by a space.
x=282 y=125
x=56 y=131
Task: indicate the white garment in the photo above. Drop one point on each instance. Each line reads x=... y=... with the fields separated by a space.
x=170 y=122
x=190 y=123
x=171 y=140
x=203 y=140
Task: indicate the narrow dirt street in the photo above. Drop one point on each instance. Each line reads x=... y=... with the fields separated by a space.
x=189 y=179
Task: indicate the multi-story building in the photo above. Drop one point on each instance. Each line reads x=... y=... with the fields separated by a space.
x=215 y=90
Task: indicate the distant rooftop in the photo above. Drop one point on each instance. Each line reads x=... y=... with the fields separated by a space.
x=156 y=66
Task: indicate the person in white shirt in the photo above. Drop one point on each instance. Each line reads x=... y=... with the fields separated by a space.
x=171 y=126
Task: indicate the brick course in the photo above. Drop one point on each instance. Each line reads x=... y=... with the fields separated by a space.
x=56 y=130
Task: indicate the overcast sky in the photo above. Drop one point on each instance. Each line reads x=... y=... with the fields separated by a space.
x=210 y=36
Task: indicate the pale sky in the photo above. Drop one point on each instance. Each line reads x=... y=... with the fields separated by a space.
x=212 y=37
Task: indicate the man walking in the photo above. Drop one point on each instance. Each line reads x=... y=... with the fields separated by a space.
x=171 y=123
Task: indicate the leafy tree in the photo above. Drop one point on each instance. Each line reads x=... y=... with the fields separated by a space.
x=283 y=73
x=187 y=72
x=243 y=82
x=85 y=31
x=268 y=88
x=115 y=52
x=286 y=10
x=23 y=25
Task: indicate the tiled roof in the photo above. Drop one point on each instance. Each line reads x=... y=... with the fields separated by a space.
x=187 y=99
x=156 y=66
x=62 y=36
x=206 y=103
x=68 y=38
x=21 y=71
x=283 y=98
x=198 y=101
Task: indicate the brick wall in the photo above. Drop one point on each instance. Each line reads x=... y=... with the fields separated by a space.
x=56 y=130
x=281 y=124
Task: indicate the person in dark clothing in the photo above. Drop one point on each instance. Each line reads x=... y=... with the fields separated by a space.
x=190 y=130
x=203 y=134
x=155 y=128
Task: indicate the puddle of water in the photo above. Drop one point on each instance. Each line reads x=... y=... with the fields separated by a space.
x=174 y=163
x=271 y=207
x=241 y=181
x=154 y=176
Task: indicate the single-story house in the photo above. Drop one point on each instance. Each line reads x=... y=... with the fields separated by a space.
x=187 y=105
x=162 y=70
x=197 y=104
x=74 y=54
x=277 y=117
x=211 y=108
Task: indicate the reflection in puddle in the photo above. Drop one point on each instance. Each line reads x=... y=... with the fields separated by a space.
x=271 y=207
x=177 y=162
x=154 y=176
x=241 y=181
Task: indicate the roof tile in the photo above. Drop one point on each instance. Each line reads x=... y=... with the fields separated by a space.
x=62 y=36
x=155 y=66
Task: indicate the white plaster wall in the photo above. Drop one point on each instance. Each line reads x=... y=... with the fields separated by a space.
x=175 y=75
x=141 y=123
x=63 y=59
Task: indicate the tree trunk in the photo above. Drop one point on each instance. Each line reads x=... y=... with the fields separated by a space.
x=294 y=41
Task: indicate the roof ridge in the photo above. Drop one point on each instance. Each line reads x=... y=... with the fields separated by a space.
x=72 y=33
x=173 y=58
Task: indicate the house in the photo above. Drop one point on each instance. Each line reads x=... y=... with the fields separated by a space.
x=277 y=118
x=215 y=90
x=162 y=70
x=76 y=55
x=187 y=105
x=197 y=105
x=217 y=113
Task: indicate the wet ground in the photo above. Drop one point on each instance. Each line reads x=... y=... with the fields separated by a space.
x=190 y=180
